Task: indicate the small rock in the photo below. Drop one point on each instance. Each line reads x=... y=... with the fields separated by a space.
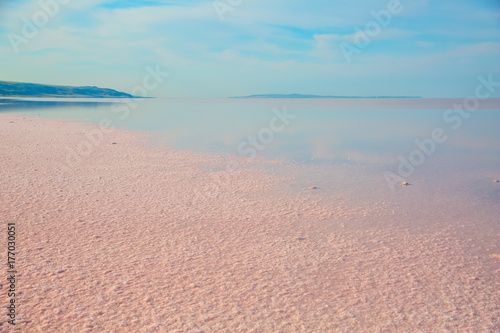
x=301 y=238
x=405 y=184
x=474 y=278
x=114 y=143
x=496 y=181
x=312 y=187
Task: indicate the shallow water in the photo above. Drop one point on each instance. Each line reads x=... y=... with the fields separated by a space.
x=338 y=131
x=370 y=242
x=365 y=147
x=376 y=134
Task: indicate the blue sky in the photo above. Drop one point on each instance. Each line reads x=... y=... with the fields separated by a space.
x=428 y=48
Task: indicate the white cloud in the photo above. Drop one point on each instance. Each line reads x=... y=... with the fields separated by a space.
x=139 y=17
x=283 y=45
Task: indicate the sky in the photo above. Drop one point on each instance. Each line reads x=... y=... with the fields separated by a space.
x=217 y=49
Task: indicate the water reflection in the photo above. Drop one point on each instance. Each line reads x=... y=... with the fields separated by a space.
x=325 y=131
x=27 y=105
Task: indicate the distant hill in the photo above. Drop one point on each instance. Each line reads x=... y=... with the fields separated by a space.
x=15 y=89
x=318 y=96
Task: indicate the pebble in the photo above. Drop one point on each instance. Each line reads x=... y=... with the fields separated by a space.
x=301 y=238
x=496 y=181
x=405 y=184
x=312 y=187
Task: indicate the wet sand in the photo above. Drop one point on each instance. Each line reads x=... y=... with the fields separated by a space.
x=135 y=238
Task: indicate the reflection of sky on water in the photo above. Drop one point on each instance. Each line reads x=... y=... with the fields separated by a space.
x=325 y=131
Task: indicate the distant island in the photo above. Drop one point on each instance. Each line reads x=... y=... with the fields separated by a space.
x=16 y=89
x=318 y=96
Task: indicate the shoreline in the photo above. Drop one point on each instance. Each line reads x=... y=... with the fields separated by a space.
x=141 y=238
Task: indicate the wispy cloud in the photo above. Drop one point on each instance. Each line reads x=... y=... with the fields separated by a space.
x=280 y=46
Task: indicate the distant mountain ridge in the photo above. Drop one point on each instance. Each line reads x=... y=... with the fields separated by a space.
x=17 y=89
x=317 y=96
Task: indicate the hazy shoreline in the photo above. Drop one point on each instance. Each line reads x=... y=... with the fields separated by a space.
x=14 y=89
